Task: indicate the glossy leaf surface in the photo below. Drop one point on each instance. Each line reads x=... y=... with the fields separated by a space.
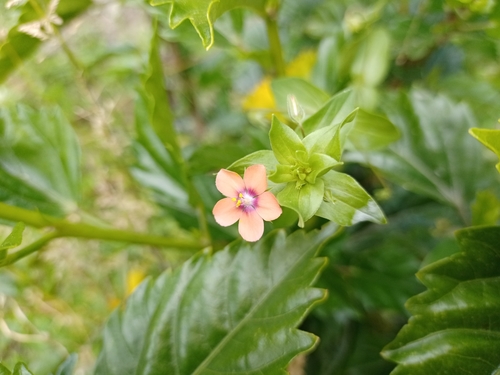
x=455 y=324
x=203 y=13
x=39 y=160
x=234 y=311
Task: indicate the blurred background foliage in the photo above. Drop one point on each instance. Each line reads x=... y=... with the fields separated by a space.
x=431 y=66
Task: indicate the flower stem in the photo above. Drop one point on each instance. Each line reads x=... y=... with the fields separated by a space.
x=275 y=47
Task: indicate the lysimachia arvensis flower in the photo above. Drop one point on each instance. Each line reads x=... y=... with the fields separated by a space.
x=246 y=200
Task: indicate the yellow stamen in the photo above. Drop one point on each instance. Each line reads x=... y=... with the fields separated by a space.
x=233 y=199
x=238 y=203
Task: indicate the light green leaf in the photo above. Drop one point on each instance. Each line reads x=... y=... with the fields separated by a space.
x=264 y=157
x=304 y=200
x=242 y=302
x=490 y=138
x=372 y=59
x=485 y=209
x=4 y=370
x=455 y=326
x=320 y=164
x=347 y=203
x=21 y=369
x=284 y=142
x=14 y=239
x=371 y=132
x=308 y=96
x=326 y=141
x=332 y=112
x=39 y=160
x=19 y=46
x=203 y=13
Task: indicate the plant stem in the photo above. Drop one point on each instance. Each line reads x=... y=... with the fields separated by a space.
x=275 y=48
x=64 y=228
x=29 y=249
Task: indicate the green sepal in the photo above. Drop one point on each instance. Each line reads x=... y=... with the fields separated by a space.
x=490 y=138
x=13 y=240
x=305 y=199
x=346 y=202
x=284 y=142
x=264 y=157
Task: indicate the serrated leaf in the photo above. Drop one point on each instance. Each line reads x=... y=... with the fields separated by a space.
x=19 y=46
x=305 y=200
x=203 y=13
x=14 y=239
x=39 y=160
x=232 y=312
x=347 y=203
x=455 y=324
x=308 y=96
x=490 y=138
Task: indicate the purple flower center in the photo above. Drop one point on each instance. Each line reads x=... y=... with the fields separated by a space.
x=246 y=200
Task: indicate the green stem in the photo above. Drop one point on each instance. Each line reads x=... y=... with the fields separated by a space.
x=275 y=48
x=65 y=228
x=29 y=249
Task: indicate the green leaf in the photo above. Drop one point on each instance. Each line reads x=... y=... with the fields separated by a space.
x=21 y=369
x=455 y=325
x=203 y=13
x=490 y=138
x=320 y=164
x=347 y=203
x=19 y=46
x=14 y=239
x=432 y=158
x=485 y=209
x=372 y=59
x=371 y=132
x=326 y=141
x=332 y=112
x=4 y=370
x=264 y=157
x=67 y=367
x=161 y=116
x=308 y=96
x=39 y=160
x=231 y=312
x=284 y=142
x=304 y=200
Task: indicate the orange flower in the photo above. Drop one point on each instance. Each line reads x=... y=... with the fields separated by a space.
x=247 y=201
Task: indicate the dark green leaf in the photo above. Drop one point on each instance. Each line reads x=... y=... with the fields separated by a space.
x=39 y=160
x=455 y=324
x=205 y=317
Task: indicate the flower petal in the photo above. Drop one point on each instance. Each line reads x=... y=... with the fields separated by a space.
x=255 y=178
x=251 y=226
x=226 y=213
x=229 y=183
x=268 y=207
